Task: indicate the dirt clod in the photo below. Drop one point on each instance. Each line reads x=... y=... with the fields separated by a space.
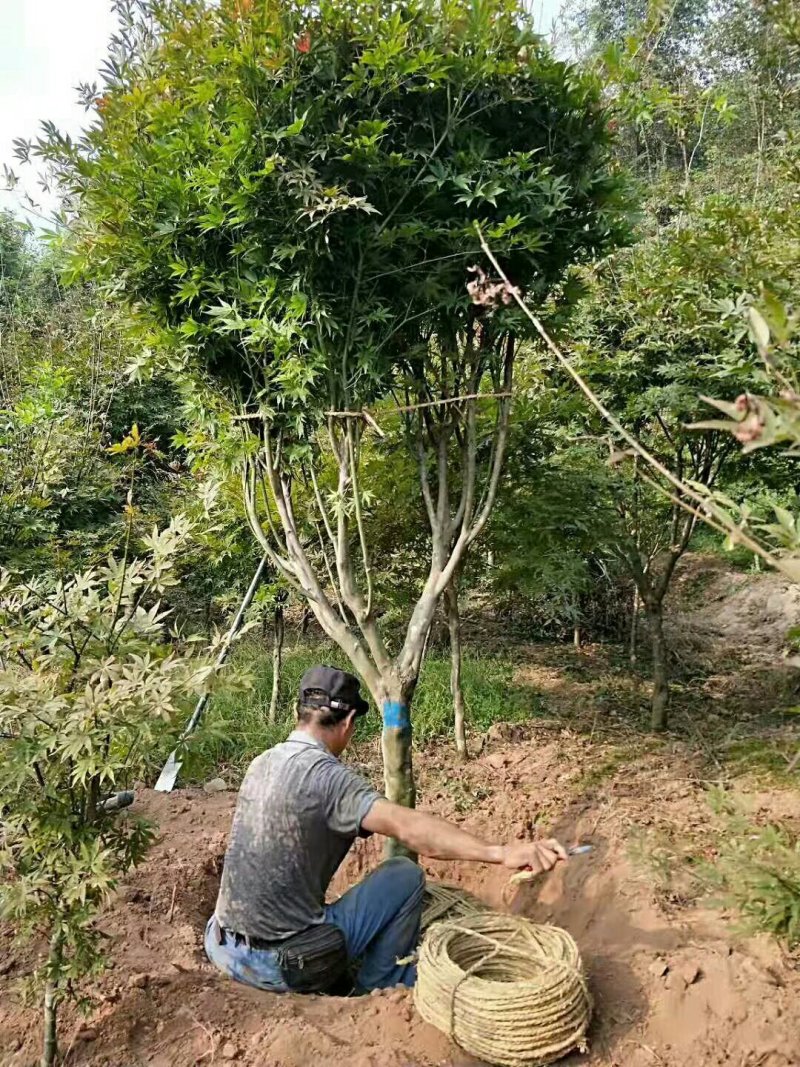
x=505 y=731
x=690 y=973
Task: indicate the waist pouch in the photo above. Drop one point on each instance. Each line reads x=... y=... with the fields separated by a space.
x=314 y=960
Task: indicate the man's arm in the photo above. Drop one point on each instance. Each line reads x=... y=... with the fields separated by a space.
x=438 y=839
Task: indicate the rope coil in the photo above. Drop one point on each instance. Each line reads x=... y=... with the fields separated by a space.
x=505 y=989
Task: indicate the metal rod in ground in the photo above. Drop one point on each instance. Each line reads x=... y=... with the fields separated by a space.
x=169 y=773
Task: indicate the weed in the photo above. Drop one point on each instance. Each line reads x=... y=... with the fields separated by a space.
x=751 y=869
x=669 y=864
x=466 y=797
x=756 y=871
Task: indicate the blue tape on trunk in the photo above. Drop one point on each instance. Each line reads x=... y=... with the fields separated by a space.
x=395 y=716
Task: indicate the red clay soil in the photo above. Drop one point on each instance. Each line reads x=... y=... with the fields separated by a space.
x=674 y=986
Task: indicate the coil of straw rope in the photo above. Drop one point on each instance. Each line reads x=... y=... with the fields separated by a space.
x=505 y=989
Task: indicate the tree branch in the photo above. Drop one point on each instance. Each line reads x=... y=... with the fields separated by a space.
x=322 y=509
x=250 y=506
x=422 y=455
x=501 y=442
x=327 y=616
x=351 y=444
x=331 y=578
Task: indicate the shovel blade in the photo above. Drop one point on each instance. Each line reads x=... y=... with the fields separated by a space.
x=169 y=774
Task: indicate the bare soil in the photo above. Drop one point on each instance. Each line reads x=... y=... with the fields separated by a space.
x=673 y=984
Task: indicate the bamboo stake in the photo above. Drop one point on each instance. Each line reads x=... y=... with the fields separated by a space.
x=398 y=409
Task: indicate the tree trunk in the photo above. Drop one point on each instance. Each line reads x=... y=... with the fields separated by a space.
x=50 y=1035
x=277 y=653
x=308 y=615
x=576 y=635
x=348 y=614
x=658 y=707
x=456 y=691
x=634 y=627
x=398 y=771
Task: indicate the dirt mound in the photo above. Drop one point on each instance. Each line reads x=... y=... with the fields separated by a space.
x=673 y=987
x=748 y=615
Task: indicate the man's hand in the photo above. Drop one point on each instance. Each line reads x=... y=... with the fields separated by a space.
x=433 y=837
x=534 y=856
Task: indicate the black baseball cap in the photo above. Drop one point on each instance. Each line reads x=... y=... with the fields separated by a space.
x=341 y=690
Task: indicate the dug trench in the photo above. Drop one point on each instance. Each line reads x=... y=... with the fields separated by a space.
x=673 y=984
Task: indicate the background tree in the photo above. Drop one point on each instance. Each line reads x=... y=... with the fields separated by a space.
x=696 y=86
x=553 y=571
x=657 y=332
x=64 y=396
x=290 y=194
x=15 y=256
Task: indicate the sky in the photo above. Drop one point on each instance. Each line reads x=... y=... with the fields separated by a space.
x=46 y=48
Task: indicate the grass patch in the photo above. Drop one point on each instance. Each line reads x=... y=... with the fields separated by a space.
x=490 y=694
x=737 y=558
x=764 y=759
x=694 y=587
x=236 y=728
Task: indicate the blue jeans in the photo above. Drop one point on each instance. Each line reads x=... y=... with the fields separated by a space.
x=379 y=918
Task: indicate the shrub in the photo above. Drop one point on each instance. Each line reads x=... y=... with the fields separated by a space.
x=87 y=685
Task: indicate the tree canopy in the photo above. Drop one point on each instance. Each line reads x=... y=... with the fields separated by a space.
x=290 y=192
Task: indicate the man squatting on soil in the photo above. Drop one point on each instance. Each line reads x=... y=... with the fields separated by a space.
x=298 y=812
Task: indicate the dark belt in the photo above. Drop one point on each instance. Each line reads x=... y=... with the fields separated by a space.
x=223 y=933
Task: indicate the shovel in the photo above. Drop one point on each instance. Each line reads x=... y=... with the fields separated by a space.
x=169 y=774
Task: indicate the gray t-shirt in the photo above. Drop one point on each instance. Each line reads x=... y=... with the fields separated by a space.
x=298 y=812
